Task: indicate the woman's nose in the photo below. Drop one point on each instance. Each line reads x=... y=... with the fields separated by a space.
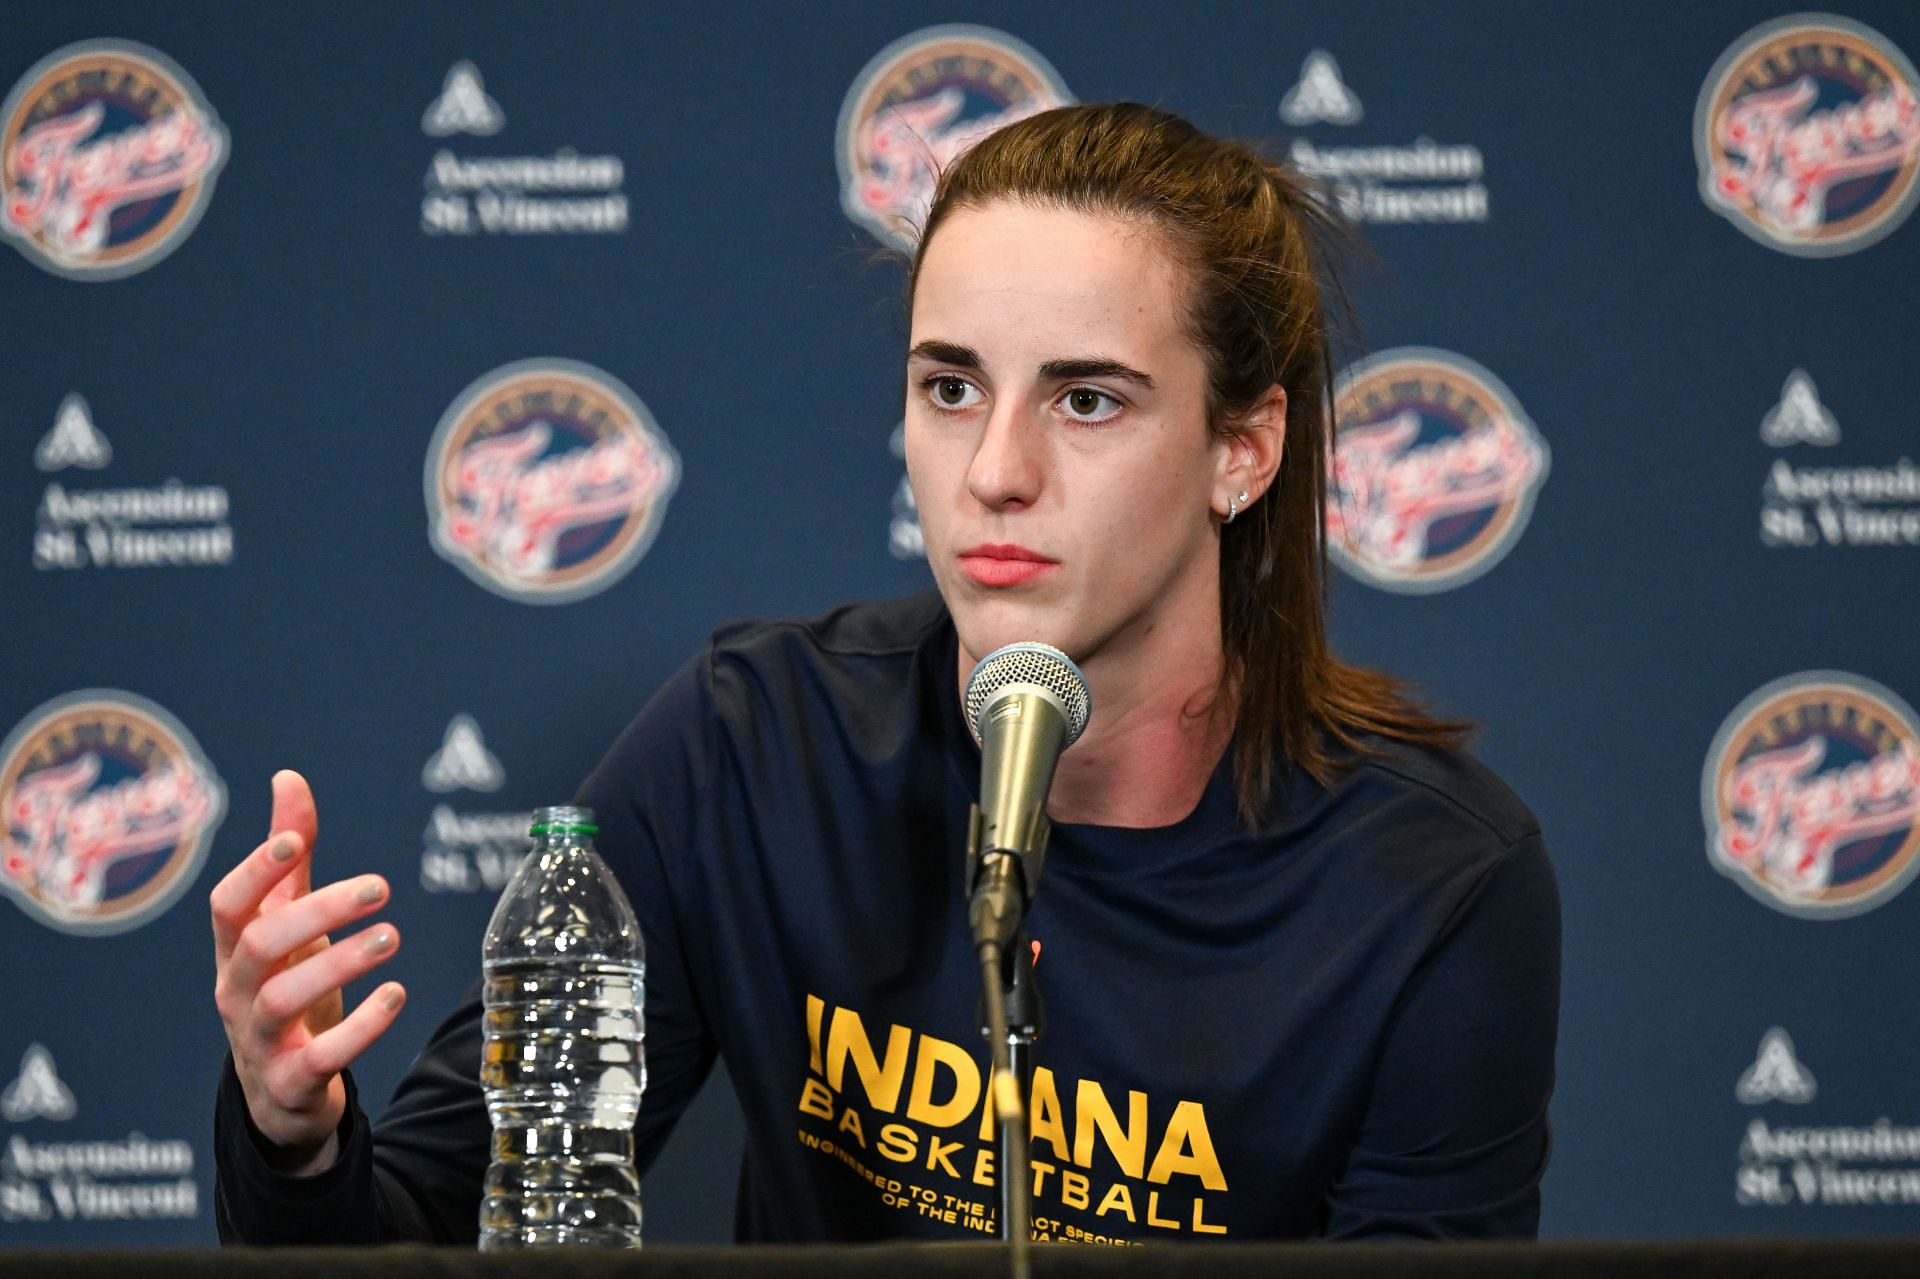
x=1006 y=469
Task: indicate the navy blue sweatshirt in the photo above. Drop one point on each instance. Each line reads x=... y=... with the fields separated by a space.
x=1342 y=1024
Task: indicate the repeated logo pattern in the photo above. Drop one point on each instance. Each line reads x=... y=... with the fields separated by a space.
x=1805 y=139
x=917 y=105
x=74 y=439
x=1811 y=795
x=37 y=1092
x=1433 y=472
x=463 y=107
x=1321 y=96
x=547 y=480
x=1799 y=417
x=108 y=808
x=1807 y=134
x=1776 y=1074
x=463 y=761
x=108 y=154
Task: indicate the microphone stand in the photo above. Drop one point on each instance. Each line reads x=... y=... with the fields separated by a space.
x=1024 y=1019
x=1011 y=1018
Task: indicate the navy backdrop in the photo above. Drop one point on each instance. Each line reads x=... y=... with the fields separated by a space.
x=1628 y=485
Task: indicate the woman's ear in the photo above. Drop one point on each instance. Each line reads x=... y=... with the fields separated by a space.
x=1250 y=456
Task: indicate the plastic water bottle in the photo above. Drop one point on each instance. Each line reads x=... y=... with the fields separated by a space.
x=564 y=1063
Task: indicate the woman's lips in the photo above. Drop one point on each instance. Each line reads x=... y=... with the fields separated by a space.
x=1004 y=565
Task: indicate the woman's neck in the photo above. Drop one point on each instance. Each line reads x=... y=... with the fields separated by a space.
x=1161 y=721
x=1146 y=761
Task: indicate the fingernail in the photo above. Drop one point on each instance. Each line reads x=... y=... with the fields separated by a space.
x=379 y=941
x=393 y=997
x=370 y=891
x=283 y=849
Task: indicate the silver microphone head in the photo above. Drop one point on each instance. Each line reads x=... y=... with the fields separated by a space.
x=1030 y=667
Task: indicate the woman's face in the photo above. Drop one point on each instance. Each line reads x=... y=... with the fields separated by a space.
x=1056 y=433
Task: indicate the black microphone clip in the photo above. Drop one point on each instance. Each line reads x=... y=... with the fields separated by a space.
x=999 y=886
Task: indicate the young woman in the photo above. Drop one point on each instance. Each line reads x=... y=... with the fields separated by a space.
x=1300 y=953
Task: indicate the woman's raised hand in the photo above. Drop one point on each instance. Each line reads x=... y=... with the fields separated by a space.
x=277 y=982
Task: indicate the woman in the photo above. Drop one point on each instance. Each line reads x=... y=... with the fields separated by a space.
x=1300 y=953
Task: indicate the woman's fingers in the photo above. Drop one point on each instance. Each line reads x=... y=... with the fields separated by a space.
x=274 y=965
x=293 y=811
x=271 y=937
x=286 y=997
x=279 y=869
x=330 y=1053
x=236 y=898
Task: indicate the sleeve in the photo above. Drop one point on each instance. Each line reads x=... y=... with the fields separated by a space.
x=416 y=1173
x=253 y=1204
x=413 y=1177
x=1455 y=1137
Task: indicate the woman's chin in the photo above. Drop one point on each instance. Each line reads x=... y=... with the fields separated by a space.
x=984 y=626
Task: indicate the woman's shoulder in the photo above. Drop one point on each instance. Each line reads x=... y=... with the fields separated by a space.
x=1411 y=832
x=856 y=672
x=864 y=628
x=785 y=681
x=1445 y=784
x=867 y=652
x=1411 y=813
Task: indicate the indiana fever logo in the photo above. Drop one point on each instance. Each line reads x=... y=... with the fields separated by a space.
x=1433 y=472
x=108 y=152
x=917 y=105
x=547 y=480
x=109 y=808
x=1812 y=795
x=1808 y=135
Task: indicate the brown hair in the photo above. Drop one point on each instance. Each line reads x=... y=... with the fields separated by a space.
x=1255 y=237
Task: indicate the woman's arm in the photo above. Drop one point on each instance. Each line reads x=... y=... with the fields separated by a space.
x=1455 y=1137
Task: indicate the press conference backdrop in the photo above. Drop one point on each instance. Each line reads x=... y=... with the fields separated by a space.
x=401 y=393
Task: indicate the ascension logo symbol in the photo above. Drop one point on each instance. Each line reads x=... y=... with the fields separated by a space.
x=107 y=808
x=1799 y=417
x=464 y=851
x=37 y=1093
x=1807 y=134
x=463 y=106
x=1321 y=96
x=1433 y=473
x=1811 y=795
x=906 y=540
x=917 y=105
x=547 y=480
x=463 y=761
x=1776 y=1074
x=108 y=154
x=74 y=439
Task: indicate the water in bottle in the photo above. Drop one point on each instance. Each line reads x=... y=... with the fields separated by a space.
x=564 y=1065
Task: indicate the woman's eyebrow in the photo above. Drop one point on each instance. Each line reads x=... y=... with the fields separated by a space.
x=940 y=352
x=1094 y=366
x=965 y=357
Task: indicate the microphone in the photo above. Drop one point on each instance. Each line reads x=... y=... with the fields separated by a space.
x=1025 y=703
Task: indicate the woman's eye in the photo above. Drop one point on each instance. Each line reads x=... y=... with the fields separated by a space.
x=952 y=392
x=1085 y=403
